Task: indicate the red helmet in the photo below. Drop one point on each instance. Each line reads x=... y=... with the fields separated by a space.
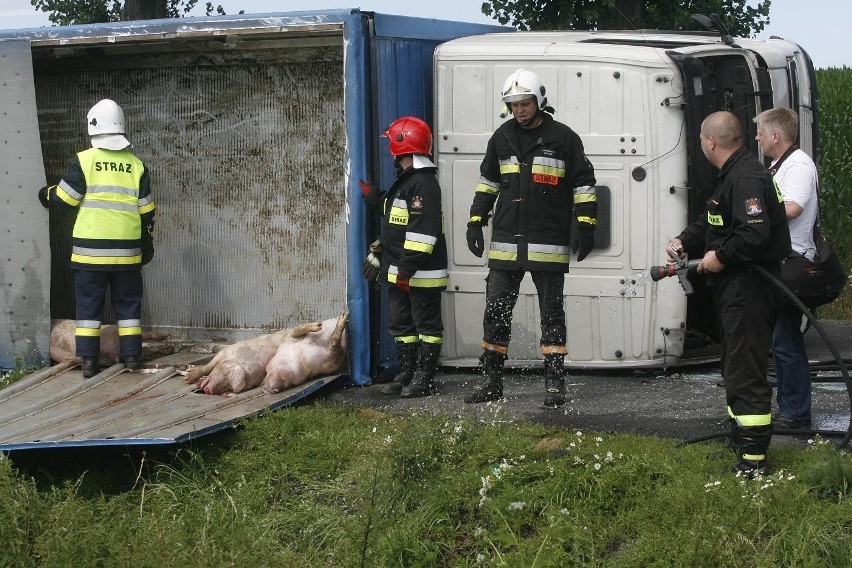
x=409 y=135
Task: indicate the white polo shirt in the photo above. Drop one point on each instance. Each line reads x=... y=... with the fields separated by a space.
x=797 y=180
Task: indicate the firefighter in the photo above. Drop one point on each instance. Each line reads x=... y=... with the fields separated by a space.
x=412 y=257
x=112 y=237
x=745 y=225
x=537 y=179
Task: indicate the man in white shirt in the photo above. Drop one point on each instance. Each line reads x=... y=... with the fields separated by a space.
x=795 y=176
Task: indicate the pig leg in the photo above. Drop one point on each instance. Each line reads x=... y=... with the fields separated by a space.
x=194 y=375
x=306 y=328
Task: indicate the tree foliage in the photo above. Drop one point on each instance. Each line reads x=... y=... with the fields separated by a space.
x=70 y=12
x=740 y=17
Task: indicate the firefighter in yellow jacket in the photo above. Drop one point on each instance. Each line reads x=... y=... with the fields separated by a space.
x=113 y=234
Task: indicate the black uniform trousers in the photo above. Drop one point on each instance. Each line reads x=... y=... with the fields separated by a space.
x=415 y=316
x=748 y=307
x=501 y=295
x=125 y=288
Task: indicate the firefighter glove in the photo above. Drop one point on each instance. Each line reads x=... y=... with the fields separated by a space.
x=402 y=281
x=44 y=195
x=475 y=240
x=147 y=252
x=372 y=196
x=370 y=269
x=585 y=242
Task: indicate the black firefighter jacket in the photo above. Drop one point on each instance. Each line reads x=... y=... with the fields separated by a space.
x=537 y=190
x=412 y=231
x=745 y=222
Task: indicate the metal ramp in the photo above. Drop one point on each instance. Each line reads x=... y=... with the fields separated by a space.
x=56 y=407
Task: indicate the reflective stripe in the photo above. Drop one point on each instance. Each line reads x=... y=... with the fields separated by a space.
x=399 y=212
x=716 y=220
x=778 y=193
x=112 y=189
x=123 y=331
x=503 y=251
x=476 y=219
x=548 y=253
x=406 y=339
x=109 y=205
x=83 y=251
x=585 y=194
x=124 y=260
x=129 y=323
x=89 y=323
x=589 y=220
x=504 y=349
x=421 y=278
x=433 y=339
x=419 y=242
x=88 y=328
x=746 y=420
x=68 y=194
x=559 y=349
x=549 y=166
x=510 y=165
x=485 y=185
x=146 y=205
x=754 y=457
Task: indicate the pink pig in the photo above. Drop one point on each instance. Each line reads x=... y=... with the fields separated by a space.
x=313 y=350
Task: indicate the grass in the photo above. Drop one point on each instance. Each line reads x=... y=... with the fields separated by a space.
x=26 y=362
x=834 y=86
x=319 y=485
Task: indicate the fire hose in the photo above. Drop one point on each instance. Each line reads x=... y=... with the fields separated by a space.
x=682 y=270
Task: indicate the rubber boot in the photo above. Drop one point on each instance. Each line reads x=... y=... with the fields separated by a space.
x=423 y=383
x=90 y=367
x=407 y=354
x=554 y=380
x=490 y=387
x=132 y=362
x=751 y=456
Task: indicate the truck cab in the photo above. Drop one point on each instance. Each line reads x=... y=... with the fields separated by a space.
x=637 y=100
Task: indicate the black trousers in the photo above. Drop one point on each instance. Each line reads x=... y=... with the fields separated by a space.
x=415 y=316
x=125 y=288
x=501 y=295
x=748 y=306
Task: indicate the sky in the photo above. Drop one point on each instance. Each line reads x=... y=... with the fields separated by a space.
x=819 y=26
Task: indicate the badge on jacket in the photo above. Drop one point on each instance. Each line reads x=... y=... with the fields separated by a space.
x=417 y=203
x=752 y=206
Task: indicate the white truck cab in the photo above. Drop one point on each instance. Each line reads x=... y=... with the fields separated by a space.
x=637 y=100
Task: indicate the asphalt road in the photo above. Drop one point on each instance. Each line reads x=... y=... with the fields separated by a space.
x=685 y=403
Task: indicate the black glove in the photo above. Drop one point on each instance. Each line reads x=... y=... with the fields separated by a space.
x=147 y=252
x=585 y=241
x=475 y=240
x=371 y=266
x=44 y=195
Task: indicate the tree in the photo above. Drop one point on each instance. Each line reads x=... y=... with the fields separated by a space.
x=739 y=16
x=69 y=12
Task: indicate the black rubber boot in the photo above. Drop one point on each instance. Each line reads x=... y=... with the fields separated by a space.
x=132 y=362
x=407 y=354
x=554 y=380
x=751 y=462
x=90 y=367
x=423 y=383
x=490 y=387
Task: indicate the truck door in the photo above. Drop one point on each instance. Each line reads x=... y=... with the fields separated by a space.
x=25 y=262
x=730 y=81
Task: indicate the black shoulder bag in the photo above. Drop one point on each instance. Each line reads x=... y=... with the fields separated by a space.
x=816 y=282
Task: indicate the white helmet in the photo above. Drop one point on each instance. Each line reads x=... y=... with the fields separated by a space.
x=523 y=84
x=106 y=126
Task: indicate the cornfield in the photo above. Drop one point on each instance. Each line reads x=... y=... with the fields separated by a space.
x=834 y=86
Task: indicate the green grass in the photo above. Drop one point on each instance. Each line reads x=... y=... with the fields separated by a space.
x=335 y=486
x=834 y=86
x=26 y=362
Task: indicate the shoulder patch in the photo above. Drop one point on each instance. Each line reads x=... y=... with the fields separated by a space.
x=752 y=206
x=417 y=203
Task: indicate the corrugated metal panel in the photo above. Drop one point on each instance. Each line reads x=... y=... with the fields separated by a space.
x=25 y=253
x=56 y=407
x=246 y=151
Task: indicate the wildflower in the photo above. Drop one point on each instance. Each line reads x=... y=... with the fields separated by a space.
x=597 y=466
x=517 y=506
x=480 y=558
x=564 y=511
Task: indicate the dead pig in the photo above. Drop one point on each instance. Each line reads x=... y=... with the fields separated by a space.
x=238 y=367
x=312 y=350
x=63 y=343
